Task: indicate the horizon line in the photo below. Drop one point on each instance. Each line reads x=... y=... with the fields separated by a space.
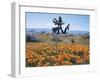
x=51 y=29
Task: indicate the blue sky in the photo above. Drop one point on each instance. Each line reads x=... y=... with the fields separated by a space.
x=44 y=20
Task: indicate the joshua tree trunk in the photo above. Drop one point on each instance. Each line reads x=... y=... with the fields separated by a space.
x=58 y=30
x=61 y=29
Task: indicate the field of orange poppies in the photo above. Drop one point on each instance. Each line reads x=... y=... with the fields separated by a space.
x=39 y=54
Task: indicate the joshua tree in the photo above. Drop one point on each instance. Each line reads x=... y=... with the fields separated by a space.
x=59 y=23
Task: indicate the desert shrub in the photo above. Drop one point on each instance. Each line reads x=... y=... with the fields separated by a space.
x=28 y=38
x=32 y=38
x=71 y=35
x=35 y=40
x=56 y=39
x=43 y=32
x=48 y=34
x=85 y=37
x=72 y=41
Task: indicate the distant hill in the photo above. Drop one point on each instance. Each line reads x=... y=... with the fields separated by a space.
x=79 y=32
x=45 y=30
x=38 y=30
